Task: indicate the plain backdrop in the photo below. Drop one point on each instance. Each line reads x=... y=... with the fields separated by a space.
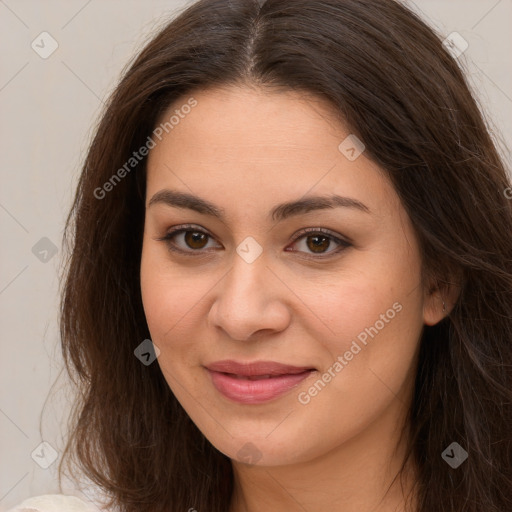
x=48 y=110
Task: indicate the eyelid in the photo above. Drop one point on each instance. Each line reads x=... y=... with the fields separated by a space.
x=343 y=241
x=176 y=230
x=324 y=231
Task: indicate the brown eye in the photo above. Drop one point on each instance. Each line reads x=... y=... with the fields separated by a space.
x=318 y=244
x=196 y=239
x=187 y=240
x=311 y=241
x=319 y=241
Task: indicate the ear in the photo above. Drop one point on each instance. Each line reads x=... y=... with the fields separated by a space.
x=440 y=298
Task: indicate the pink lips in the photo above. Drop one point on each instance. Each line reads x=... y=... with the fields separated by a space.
x=252 y=383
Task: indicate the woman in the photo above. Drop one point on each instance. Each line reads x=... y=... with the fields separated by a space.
x=290 y=273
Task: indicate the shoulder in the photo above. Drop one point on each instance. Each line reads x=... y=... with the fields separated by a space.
x=55 y=503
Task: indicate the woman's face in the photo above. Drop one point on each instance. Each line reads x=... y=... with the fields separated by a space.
x=245 y=283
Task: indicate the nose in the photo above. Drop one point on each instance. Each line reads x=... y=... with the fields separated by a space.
x=250 y=301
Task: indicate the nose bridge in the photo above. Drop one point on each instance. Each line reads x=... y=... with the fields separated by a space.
x=247 y=301
x=249 y=269
x=245 y=284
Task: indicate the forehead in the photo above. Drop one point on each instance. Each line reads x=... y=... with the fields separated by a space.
x=260 y=144
x=257 y=120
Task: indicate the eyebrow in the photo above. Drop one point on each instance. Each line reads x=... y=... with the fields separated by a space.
x=280 y=212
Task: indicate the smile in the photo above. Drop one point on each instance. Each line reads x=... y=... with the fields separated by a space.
x=254 y=383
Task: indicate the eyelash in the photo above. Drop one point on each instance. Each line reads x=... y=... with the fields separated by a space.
x=344 y=244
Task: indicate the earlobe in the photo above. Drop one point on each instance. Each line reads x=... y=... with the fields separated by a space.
x=434 y=308
x=439 y=302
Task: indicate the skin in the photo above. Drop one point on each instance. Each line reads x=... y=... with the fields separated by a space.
x=247 y=150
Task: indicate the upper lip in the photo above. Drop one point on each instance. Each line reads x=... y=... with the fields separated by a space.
x=256 y=368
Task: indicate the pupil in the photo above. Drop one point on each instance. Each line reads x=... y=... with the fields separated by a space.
x=318 y=245
x=193 y=237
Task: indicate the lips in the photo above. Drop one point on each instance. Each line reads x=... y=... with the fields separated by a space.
x=258 y=369
x=252 y=383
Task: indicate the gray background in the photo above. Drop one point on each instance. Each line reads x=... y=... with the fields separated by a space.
x=48 y=111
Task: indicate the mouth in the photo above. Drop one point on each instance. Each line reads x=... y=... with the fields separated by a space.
x=256 y=382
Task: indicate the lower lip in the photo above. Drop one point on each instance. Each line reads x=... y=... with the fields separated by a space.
x=255 y=391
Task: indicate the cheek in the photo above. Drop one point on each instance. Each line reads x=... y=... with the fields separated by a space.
x=382 y=296
x=370 y=324
x=172 y=302
x=375 y=320
x=166 y=307
x=169 y=315
x=368 y=364
x=155 y=296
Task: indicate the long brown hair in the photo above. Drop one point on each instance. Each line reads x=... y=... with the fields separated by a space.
x=387 y=75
